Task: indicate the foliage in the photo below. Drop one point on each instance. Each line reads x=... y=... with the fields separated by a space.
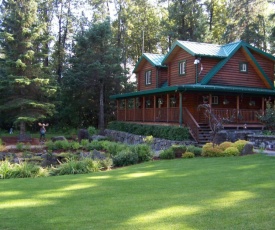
x=107 y=163
x=84 y=143
x=19 y=146
x=210 y=150
x=24 y=170
x=178 y=150
x=143 y=151
x=98 y=145
x=75 y=145
x=167 y=154
x=92 y=130
x=188 y=155
x=268 y=119
x=231 y=151
x=125 y=157
x=64 y=144
x=193 y=149
x=148 y=140
x=240 y=144
x=166 y=132
x=225 y=145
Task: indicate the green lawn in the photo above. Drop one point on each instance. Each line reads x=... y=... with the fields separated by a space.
x=199 y=193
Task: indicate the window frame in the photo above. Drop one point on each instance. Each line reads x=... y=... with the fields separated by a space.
x=241 y=65
x=215 y=100
x=182 y=73
x=148 y=77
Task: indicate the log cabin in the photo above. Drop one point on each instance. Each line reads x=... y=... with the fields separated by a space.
x=234 y=80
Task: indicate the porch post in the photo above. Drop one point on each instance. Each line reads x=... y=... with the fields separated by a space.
x=154 y=108
x=168 y=106
x=125 y=109
x=238 y=108
x=135 y=104
x=180 y=120
x=263 y=105
x=143 y=108
x=117 y=106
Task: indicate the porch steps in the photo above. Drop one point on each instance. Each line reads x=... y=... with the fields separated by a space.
x=205 y=134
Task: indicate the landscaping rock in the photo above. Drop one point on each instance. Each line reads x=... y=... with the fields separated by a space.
x=83 y=134
x=96 y=155
x=248 y=149
x=58 y=138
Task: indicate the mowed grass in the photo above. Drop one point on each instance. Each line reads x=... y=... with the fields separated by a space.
x=200 y=193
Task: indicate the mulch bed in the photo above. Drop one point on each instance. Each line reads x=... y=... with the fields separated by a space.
x=14 y=141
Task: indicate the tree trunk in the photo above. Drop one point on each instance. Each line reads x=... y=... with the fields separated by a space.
x=22 y=127
x=101 y=108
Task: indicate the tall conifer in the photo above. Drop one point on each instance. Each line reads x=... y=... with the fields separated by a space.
x=26 y=86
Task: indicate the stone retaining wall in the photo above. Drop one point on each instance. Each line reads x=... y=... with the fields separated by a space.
x=132 y=139
x=262 y=141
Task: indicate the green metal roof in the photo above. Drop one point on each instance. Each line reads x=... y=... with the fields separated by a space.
x=153 y=59
x=197 y=88
x=204 y=49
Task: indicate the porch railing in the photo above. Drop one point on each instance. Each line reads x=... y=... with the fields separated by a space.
x=191 y=123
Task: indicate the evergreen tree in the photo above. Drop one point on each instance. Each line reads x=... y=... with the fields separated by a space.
x=92 y=78
x=26 y=88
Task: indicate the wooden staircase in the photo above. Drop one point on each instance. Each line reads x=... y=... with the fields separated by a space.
x=205 y=134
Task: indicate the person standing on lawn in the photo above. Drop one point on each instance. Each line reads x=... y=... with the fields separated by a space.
x=42 y=130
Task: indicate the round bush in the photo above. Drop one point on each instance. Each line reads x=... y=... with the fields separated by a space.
x=208 y=150
x=225 y=145
x=188 y=155
x=231 y=151
x=240 y=144
x=125 y=157
x=167 y=154
x=193 y=149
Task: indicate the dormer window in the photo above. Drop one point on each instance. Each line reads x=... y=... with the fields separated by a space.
x=243 y=67
x=148 y=77
x=182 y=67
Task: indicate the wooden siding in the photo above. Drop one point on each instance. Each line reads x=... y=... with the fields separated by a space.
x=141 y=77
x=266 y=64
x=230 y=75
x=174 y=77
x=207 y=64
x=163 y=76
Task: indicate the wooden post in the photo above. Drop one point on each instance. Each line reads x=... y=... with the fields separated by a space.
x=125 y=109
x=238 y=109
x=180 y=120
x=168 y=106
x=263 y=104
x=154 y=108
x=135 y=104
x=143 y=108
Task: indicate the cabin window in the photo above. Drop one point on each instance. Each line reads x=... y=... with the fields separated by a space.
x=243 y=67
x=182 y=67
x=148 y=77
x=215 y=100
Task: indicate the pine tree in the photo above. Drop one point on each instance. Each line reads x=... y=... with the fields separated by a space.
x=26 y=85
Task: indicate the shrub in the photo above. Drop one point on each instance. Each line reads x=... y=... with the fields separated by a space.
x=62 y=144
x=208 y=150
x=231 y=151
x=95 y=145
x=143 y=151
x=114 y=148
x=240 y=145
x=188 y=155
x=225 y=145
x=75 y=145
x=148 y=140
x=84 y=143
x=19 y=146
x=125 y=157
x=24 y=170
x=178 y=150
x=166 y=132
x=5 y=169
x=167 y=154
x=193 y=149
x=50 y=145
x=2 y=147
x=92 y=130
x=107 y=163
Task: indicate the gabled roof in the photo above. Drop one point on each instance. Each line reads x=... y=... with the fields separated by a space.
x=231 y=51
x=153 y=59
x=203 y=49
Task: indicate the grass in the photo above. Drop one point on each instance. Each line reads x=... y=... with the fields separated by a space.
x=199 y=193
